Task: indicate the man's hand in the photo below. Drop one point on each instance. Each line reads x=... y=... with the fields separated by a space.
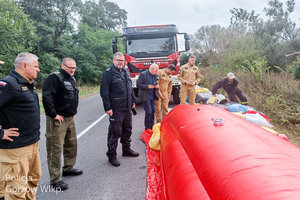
x=12 y=132
x=59 y=118
x=228 y=99
x=156 y=87
x=161 y=96
x=215 y=95
x=110 y=112
x=169 y=97
x=150 y=87
x=187 y=83
x=133 y=106
x=194 y=83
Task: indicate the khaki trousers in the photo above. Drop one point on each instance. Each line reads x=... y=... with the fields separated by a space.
x=187 y=90
x=60 y=137
x=161 y=104
x=20 y=172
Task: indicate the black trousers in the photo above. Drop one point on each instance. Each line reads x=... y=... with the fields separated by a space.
x=239 y=93
x=120 y=127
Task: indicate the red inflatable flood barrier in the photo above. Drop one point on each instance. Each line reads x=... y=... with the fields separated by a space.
x=238 y=160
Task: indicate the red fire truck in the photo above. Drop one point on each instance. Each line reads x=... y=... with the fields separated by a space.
x=157 y=44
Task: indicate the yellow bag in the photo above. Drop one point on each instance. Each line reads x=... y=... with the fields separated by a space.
x=212 y=100
x=154 y=142
x=202 y=90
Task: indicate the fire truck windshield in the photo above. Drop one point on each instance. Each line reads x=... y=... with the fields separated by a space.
x=152 y=46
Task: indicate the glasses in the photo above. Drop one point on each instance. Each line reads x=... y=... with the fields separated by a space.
x=119 y=60
x=71 y=68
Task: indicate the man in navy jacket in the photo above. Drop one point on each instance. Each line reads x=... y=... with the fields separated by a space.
x=230 y=85
x=20 y=130
x=148 y=86
x=118 y=101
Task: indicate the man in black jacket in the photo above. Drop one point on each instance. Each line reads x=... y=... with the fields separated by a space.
x=20 y=166
x=60 y=100
x=230 y=85
x=148 y=86
x=118 y=101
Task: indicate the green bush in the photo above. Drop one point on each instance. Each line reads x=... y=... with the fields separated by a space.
x=296 y=69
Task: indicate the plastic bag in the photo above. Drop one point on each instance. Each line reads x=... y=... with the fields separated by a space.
x=237 y=108
x=202 y=90
x=154 y=142
x=254 y=112
x=212 y=100
x=257 y=119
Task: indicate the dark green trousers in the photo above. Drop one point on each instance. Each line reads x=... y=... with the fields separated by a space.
x=60 y=137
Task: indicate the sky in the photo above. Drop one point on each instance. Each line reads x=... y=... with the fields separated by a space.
x=190 y=15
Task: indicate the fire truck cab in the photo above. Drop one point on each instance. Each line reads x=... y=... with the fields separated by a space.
x=157 y=44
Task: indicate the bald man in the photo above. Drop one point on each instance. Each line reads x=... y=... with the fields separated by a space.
x=20 y=130
x=148 y=86
x=60 y=100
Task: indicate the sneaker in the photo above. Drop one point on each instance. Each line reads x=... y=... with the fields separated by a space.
x=60 y=185
x=130 y=153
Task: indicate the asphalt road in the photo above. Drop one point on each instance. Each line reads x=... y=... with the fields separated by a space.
x=100 y=180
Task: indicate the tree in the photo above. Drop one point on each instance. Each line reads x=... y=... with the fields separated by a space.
x=104 y=14
x=278 y=34
x=243 y=20
x=54 y=18
x=91 y=49
x=17 y=34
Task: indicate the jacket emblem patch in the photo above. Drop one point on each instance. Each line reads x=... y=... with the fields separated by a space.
x=2 y=83
x=67 y=83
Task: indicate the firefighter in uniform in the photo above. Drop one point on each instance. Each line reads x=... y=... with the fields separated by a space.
x=20 y=165
x=60 y=100
x=164 y=93
x=189 y=76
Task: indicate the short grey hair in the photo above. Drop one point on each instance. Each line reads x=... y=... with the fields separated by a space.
x=118 y=54
x=67 y=59
x=153 y=65
x=24 y=57
x=192 y=56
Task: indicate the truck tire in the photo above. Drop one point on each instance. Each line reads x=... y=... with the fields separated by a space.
x=176 y=98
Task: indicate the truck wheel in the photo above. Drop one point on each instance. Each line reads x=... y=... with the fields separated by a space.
x=176 y=98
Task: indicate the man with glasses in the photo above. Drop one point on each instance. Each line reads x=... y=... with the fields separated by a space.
x=60 y=100
x=118 y=101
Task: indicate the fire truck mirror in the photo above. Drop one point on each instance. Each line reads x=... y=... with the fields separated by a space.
x=187 y=45
x=114 y=40
x=186 y=37
x=115 y=48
